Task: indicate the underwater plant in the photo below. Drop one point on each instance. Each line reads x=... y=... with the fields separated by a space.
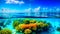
x=0 y=28
x=5 y=31
x=27 y=31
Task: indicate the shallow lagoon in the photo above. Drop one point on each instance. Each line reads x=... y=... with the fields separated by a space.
x=54 y=21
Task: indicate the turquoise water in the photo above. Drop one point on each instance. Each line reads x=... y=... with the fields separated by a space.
x=54 y=21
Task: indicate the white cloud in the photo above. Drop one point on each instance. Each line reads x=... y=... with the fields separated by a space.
x=14 y=2
x=21 y=2
x=36 y=9
x=7 y=1
x=6 y=10
x=28 y=10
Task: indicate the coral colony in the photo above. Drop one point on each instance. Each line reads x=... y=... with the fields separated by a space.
x=27 y=27
x=30 y=26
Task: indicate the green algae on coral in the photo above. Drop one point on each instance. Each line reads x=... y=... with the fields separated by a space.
x=26 y=21
x=15 y=23
x=32 y=21
x=5 y=31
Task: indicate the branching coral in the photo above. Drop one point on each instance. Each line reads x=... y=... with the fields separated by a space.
x=5 y=31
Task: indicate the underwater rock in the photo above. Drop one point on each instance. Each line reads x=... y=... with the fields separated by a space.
x=1 y=24
x=0 y=28
x=58 y=29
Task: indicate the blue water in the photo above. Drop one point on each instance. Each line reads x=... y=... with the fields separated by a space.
x=54 y=21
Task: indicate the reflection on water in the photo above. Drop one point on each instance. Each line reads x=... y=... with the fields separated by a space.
x=32 y=14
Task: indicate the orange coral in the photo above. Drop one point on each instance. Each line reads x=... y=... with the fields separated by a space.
x=28 y=26
x=33 y=25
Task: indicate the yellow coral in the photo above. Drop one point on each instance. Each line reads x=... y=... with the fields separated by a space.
x=5 y=31
x=41 y=24
x=19 y=27
x=27 y=31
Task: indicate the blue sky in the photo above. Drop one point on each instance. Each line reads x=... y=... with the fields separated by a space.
x=28 y=5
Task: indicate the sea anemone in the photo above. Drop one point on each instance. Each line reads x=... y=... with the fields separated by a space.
x=27 y=31
x=5 y=31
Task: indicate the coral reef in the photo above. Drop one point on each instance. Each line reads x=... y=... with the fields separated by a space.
x=30 y=26
x=5 y=31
